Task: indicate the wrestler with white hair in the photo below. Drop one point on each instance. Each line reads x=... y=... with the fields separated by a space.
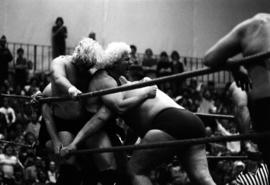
x=153 y=115
x=70 y=76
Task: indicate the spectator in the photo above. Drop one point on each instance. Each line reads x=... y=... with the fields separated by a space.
x=135 y=70
x=207 y=104
x=149 y=64
x=59 y=35
x=33 y=86
x=9 y=112
x=234 y=146
x=21 y=69
x=8 y=162
x=52 y=173
x=165 y=68
x=31 y=175
x=92 y=35
x=3 y=126
x=34 y=125
x=5 y=58
x=178 y=67
x=177 y=174
x=133 y=55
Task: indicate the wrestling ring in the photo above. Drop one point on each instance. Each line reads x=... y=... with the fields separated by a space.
x=179 y=143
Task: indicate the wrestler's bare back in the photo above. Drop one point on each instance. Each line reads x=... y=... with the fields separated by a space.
x=142 y=116
x=68 y=110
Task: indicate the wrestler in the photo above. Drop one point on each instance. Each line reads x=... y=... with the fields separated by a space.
x=156 y=119
x=250 y=37
x=70 y=77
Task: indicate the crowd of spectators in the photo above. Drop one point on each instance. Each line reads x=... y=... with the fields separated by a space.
x=20 y=123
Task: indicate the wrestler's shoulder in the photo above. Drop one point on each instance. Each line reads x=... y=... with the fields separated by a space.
x=47 y=91
x=103 y=80
x=257 y=20
x=63 y=59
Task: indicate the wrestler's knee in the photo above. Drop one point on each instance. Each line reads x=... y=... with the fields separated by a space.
x=143 y=161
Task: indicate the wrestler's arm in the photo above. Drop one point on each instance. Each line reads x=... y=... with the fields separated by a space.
x=227 y=47
x=59 y=77
x=47 y=115
x=50 y=126
x=118 y=102
x=92 y=126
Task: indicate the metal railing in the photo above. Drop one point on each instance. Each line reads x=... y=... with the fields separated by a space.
x=41 y=57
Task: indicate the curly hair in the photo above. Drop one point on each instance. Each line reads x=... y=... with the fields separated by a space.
x=115 y=51
x=89 y=52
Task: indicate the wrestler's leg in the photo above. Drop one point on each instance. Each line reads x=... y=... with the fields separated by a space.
x=69 y=170
x=195 y=162
x=105 y=162
x=142 y=161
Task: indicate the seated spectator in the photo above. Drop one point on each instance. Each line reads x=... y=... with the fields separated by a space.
x=34 y=125
x=3 y=125
x=133 y=56
x=8 y=111
x=21 y=69
x=177 y=174
x=234 y=146
x=8 y=162
x=149 y=64
x=31 y=174
x=207 y=104
x=52 y=172
x=33 y=86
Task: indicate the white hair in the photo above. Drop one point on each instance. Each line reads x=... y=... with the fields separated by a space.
x=89 y=51
x=115 y=51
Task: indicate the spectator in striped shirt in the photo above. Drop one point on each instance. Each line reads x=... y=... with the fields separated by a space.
x=255 y=173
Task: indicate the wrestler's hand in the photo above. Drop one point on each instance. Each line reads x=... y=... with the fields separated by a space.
x=73 y=92
x=152 y=90
x=124 y=81
x=57 y=147
x=35 y=98
x=146 y=79
x=65 y=151
x=242 y=79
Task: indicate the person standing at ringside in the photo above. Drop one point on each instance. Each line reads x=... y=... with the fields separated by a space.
x=155 y=119
x=249 y=37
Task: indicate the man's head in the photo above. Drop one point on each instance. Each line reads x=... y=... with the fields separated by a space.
x=59 y=21
x=117 y=57
x=133 y=49
x=3 y=41
x=88 y=53
x=20 y=52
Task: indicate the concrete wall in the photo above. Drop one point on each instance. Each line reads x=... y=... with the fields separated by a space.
x=189 y=26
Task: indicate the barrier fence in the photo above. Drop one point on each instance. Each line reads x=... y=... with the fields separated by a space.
x=41 y=57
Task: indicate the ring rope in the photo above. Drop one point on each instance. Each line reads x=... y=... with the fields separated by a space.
x=15 y=96
x=230 y=64
x=218 y=116
x=231 y=158
x=14 y=143
x=179 y=143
